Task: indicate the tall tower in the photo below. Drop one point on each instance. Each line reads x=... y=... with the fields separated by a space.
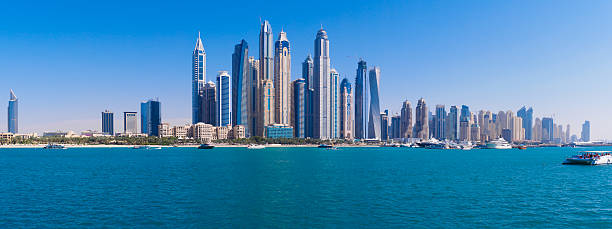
x=150 y=117
x=464 y=123
x=361 y=100
x=334 y=78
x=421 y=125
x=321 y=71
x=198 y=79
x=439 y=122
x=346 y=115
x=13 y=120
x=307 y=73
x=130 y=122
x=299 y=107
x=266 y=73
x=452 y=123
x=223 y=100
x=255 y=99
x=374 y=125
x=108 y=124
x=282 y=80
x=585 y=135
x=240 y=87
x=406 y=120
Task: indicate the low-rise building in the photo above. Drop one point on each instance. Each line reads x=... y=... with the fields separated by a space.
x=165 y=130
x=6 y=136
x=202 y=131
x=238 y=131
x=278 y=131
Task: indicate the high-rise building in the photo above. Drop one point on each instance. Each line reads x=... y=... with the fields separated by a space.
x=361 y=100
x=547 y=130
x=130 y=122
x=266 y=72
x=282 y=80
x=13 y=120
x=150 y=117
x=307 y=73
x=421 y=124
x=464 y=124
x=209 y=103
x=299 y=108
x=384 y=126
x=527 y=116
x=108 y=125
x=222 y=108
x=334 y=81
x=406 y=120
x=346 y=114
x=321 y=73
x=255 y=128
x=439 y=122
x=452 y=124
x=239 y=90
x=537 y=130
x=585 y=135
x=567 y=133
x=395 y=130
x=374 y=125
x=198 y=79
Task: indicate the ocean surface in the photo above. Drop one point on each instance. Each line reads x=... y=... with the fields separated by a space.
x=301 y=188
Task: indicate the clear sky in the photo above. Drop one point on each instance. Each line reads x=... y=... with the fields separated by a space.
x=67 y=61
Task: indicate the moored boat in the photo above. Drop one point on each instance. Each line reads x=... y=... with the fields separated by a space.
x=253 y=146
x=499 y=143
x=325 y=146
x=590 y=158
x=54 y=146
x=206 y=146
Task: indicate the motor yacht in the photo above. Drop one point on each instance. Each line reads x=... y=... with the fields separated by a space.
x=590 y=158
x=500 y=143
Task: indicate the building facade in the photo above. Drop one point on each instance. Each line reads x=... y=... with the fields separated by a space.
x=13 y=114
x=239 y=89
x=452 y=124
x=108 y=125
x=282 y=79
x=130 y=122
x=527 y=117
x=334 y=88
x=374 y=125
x=198 y=78
x=307 y=73
x=406 y=120
x=224 y=102
x=439 y=122
x=585 y=135
x=421 y=124
x=209 y=104
x=345 y=111
x=150 y=116
x=361 y=100
x=321 y=98
x=299 y=108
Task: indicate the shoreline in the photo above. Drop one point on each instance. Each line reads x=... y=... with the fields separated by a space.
x=36 y=146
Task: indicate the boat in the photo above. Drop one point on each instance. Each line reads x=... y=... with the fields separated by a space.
x=500 y=143
x=325 y=146
x=253 y=146
x=206 y=146
x=433 y=144
x=146 y=147
x=521 y=147
x=54 y=146
x=590 y=158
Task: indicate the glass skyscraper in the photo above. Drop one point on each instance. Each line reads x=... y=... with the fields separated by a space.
x=585 y=136
x=321 y=73
x=307 y=68
x=150 y=117
x=548 y=130
x=266 y=72
x=361 y=100
x=108 y=126
x=333 y=103
x=299 y=108
x=282 y=79
x=374 y=125
x=198 y=79
x=13 y=120
x=527 y=116
x=439 y=122
x=346 y=110
x=239 y=89
x=223 y=99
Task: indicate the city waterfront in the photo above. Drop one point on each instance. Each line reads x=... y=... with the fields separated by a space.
x=283 y=187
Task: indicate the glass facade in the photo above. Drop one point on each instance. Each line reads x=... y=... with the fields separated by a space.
x=150 y=117
x=223 y=99
x=198 y=69
x=299 y=107
x=108 y=126
x=361 y=100
x=13 y=113
x=374 y=126
x=279 y=131
x=239 y=87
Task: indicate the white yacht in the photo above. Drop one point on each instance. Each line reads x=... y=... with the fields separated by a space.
x=500 y=143
x=590 y=158
x=253 y=146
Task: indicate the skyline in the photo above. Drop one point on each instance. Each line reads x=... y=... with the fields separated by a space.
x=172 y=89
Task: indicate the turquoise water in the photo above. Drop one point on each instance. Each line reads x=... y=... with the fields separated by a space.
x=301 y=188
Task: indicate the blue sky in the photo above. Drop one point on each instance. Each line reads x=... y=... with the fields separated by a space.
x=69 y=60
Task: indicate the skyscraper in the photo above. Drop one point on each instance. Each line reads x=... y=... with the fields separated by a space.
x=299 y=107
x=395 y=130
x=439 y=122
x=255 y=127
x=346 y=116
x=239 y=90
x=266 y=72
x=537 y=130
x=464 y=123
x=361 y=100
x=198 y=78
x=321 y=73
x=452 y=124
x=334 y=81
x=13 y=121
x=209 y=104
x=108 y=126
x=307 y=73
x=282 y=80
x=222 y=108
x=421 y=125
x=384 y=126
x=585 y=135
x=374 y=125
x=406 y=120
x=130 y=122
x=547 y=130
x=150 y=116
x=527 y=116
